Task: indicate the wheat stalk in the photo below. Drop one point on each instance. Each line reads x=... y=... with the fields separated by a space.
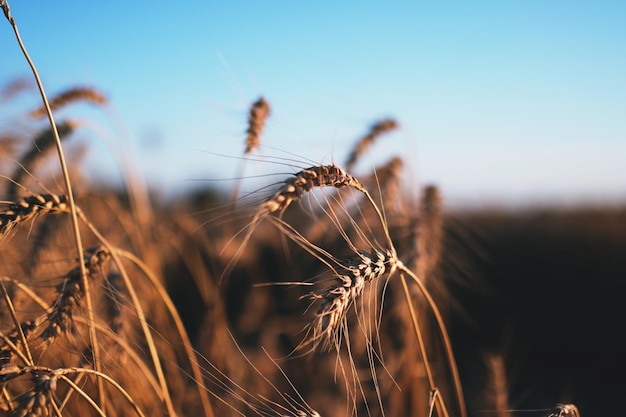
x=4 y=4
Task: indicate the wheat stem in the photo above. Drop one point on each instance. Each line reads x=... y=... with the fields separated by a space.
x=177 y=321
x=72 y=206
x=18 y=325
x=140 y=314
x=420 y=341
x=444 y=335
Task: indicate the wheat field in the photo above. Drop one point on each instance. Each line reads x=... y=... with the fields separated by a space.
x=328 y=291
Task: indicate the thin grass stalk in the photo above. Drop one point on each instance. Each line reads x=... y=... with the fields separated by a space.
x=441 y=408
x=18 y=326
x=140 y=314
x=115 y=253
x=107 y=378
x=83 y=394
x=7 y=399
x=444 y=335
x=10 y=344
x=435 y=396
x=70 y=195
x=68 y=394
x=197 y=373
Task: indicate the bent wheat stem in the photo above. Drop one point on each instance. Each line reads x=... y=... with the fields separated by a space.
x=444 y=335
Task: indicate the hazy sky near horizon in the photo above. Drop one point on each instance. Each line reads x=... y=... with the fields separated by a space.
x=497 y=100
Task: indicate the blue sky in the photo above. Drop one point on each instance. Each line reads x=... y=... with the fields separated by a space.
x=499 y=101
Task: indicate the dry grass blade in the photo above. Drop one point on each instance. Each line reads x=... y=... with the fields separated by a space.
x=18 y=326
x=70 y=96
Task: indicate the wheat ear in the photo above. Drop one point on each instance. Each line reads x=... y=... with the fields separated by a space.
x=337 y=299
x=28 y=208
x=304 y=181
x=259 y=112
x=70 y=96
x=375 y=131
x=41 y=144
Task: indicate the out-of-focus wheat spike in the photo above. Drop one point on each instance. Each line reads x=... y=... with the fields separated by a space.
x=34 y=402
x=8 y=145
x=257 y=115
x=67 y=97
x=427 y=233
x=386 y=180
x=41 y=144
x=14 y=88
x=376 y=130
x=497 y=391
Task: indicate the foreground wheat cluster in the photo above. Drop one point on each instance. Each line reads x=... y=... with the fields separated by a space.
x=317 y=295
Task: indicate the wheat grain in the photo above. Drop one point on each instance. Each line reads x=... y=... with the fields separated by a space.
x=29 y=207
x=304 y=181
x=350 y=281
x=71 y=292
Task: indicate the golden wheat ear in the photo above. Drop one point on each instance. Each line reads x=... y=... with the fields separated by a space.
x=258 y=113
